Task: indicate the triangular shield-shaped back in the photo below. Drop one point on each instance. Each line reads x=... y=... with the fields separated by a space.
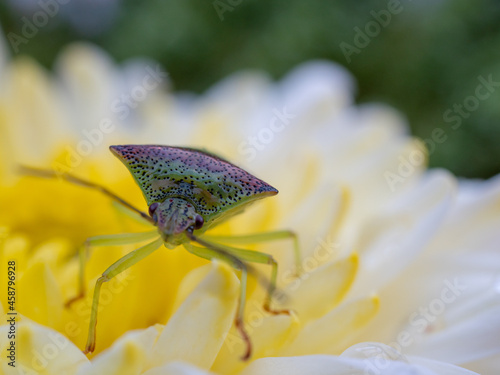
x=214 y=186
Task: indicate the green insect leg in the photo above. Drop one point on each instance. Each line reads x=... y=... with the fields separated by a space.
x=116 y=268
x=257 y=257
x=99 y=241
x=264 y=237
x=215 y=253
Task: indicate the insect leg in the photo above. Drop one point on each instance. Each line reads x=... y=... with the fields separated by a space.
x=265 y=237
x=263 y=258
x=106 y=240
x=214 y=253
x=119 y=266
x=78 y=181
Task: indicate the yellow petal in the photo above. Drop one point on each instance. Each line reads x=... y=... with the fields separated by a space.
x=39 y=297
x=314 y=294
x=197 y=330
x=52 y=252
x=128 y=356
x=36 y=113
x=330 y=333
x=189 y=283
x=8 y=165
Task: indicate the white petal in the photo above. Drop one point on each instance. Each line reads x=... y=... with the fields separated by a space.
x=331 y=332
x=331 y=365
x=379 y=356
x=467 y=341
x=485 y=366
x=176 y=368
x=399 y=234
x=305 y=365
x=40 y=350
x=440 y=368
x=472 y=223
x=318 y=83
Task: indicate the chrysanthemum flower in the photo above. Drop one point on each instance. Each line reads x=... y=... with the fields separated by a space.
x=400 y=265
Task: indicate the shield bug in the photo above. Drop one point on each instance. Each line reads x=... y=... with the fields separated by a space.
x=188 y=191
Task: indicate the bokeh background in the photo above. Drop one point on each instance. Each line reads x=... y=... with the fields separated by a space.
x=425 y=58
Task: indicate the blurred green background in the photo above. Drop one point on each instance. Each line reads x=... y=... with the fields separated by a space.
x=425 y=60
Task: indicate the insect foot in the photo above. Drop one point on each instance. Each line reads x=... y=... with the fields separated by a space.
x=246 y=338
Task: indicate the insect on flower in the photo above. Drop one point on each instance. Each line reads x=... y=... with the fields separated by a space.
x=188 y=191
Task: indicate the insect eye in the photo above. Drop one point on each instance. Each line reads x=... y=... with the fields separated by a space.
x=153 y=208
x=198 y=222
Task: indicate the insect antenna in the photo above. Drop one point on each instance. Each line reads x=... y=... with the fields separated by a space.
x=46 y=173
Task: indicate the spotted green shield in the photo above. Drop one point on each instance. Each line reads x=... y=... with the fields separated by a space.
x=215 y=187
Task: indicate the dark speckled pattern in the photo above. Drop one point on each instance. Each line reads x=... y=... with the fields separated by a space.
x=214 y=186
